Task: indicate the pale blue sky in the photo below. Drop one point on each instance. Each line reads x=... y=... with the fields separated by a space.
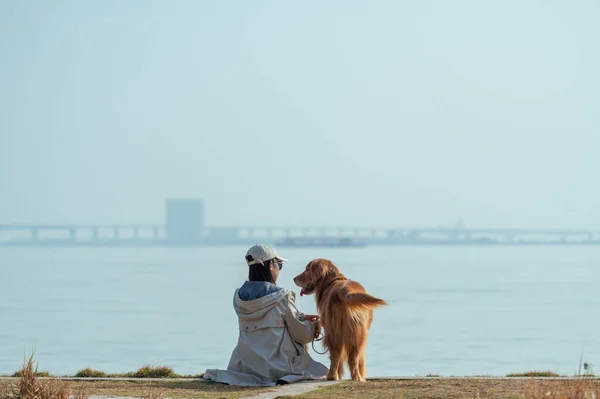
x=385 y=113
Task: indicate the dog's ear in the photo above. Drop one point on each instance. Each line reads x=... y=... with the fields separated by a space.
x=322 y=269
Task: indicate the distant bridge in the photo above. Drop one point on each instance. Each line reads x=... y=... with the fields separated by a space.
x=150 y=235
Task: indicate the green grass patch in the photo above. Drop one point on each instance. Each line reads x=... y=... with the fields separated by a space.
x=535 y=373
x=90 y=373
x=37 y=374
x=154 y=372
x=142 y=372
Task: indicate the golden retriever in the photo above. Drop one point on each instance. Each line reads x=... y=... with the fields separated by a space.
x=345 y=310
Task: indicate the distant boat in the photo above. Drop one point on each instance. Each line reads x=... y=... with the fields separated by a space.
x=320 y=242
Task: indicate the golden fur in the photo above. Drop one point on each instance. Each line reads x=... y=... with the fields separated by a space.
x=345 y=310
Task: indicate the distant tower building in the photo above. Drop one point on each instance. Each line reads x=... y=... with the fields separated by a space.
x=184 y=220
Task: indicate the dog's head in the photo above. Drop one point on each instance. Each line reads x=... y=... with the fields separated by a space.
x=316 y=273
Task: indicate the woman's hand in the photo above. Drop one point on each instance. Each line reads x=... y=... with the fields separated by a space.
x=316 y=322
x=311 y=317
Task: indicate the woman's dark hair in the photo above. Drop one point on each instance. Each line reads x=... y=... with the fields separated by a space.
x=259 y=271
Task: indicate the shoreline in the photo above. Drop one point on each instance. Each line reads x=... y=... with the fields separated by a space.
x=376 y=378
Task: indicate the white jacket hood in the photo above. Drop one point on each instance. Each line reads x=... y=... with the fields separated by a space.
x=257 y=308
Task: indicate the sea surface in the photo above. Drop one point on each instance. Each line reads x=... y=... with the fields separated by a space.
x=452 y=310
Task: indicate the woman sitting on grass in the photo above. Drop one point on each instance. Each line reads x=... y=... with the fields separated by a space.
x=271 y=347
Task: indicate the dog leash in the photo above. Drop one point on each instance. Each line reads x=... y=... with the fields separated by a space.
x=318 y=337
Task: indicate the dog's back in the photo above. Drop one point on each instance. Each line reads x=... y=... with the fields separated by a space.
x=347 y=312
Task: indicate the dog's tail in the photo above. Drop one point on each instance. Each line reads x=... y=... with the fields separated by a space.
x=361 y=300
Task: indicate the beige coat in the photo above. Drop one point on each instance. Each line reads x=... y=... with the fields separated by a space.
x=271 y=346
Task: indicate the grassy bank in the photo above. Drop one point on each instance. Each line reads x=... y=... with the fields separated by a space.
x=424 y=388
x=141 y=389
x=29 y=383
x=458 y=388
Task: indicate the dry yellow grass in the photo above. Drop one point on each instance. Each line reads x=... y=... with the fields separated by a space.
x=29 y=386
x=458 y=388
x=156 y=389
x=581 y=388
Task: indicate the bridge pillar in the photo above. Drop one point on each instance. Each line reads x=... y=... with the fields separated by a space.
x=414 y=235
x=35 y=234
x=116 y=233
x=95 y=234
x=155 y=233
x=72 y=233
x=136 y=233
x=390 y=233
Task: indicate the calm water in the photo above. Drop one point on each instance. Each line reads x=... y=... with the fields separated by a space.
x=453 y=311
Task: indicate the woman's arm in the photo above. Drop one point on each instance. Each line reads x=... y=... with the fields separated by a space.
x=301 y=330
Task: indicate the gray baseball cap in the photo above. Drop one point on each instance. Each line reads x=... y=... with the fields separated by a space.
x=261 y=253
